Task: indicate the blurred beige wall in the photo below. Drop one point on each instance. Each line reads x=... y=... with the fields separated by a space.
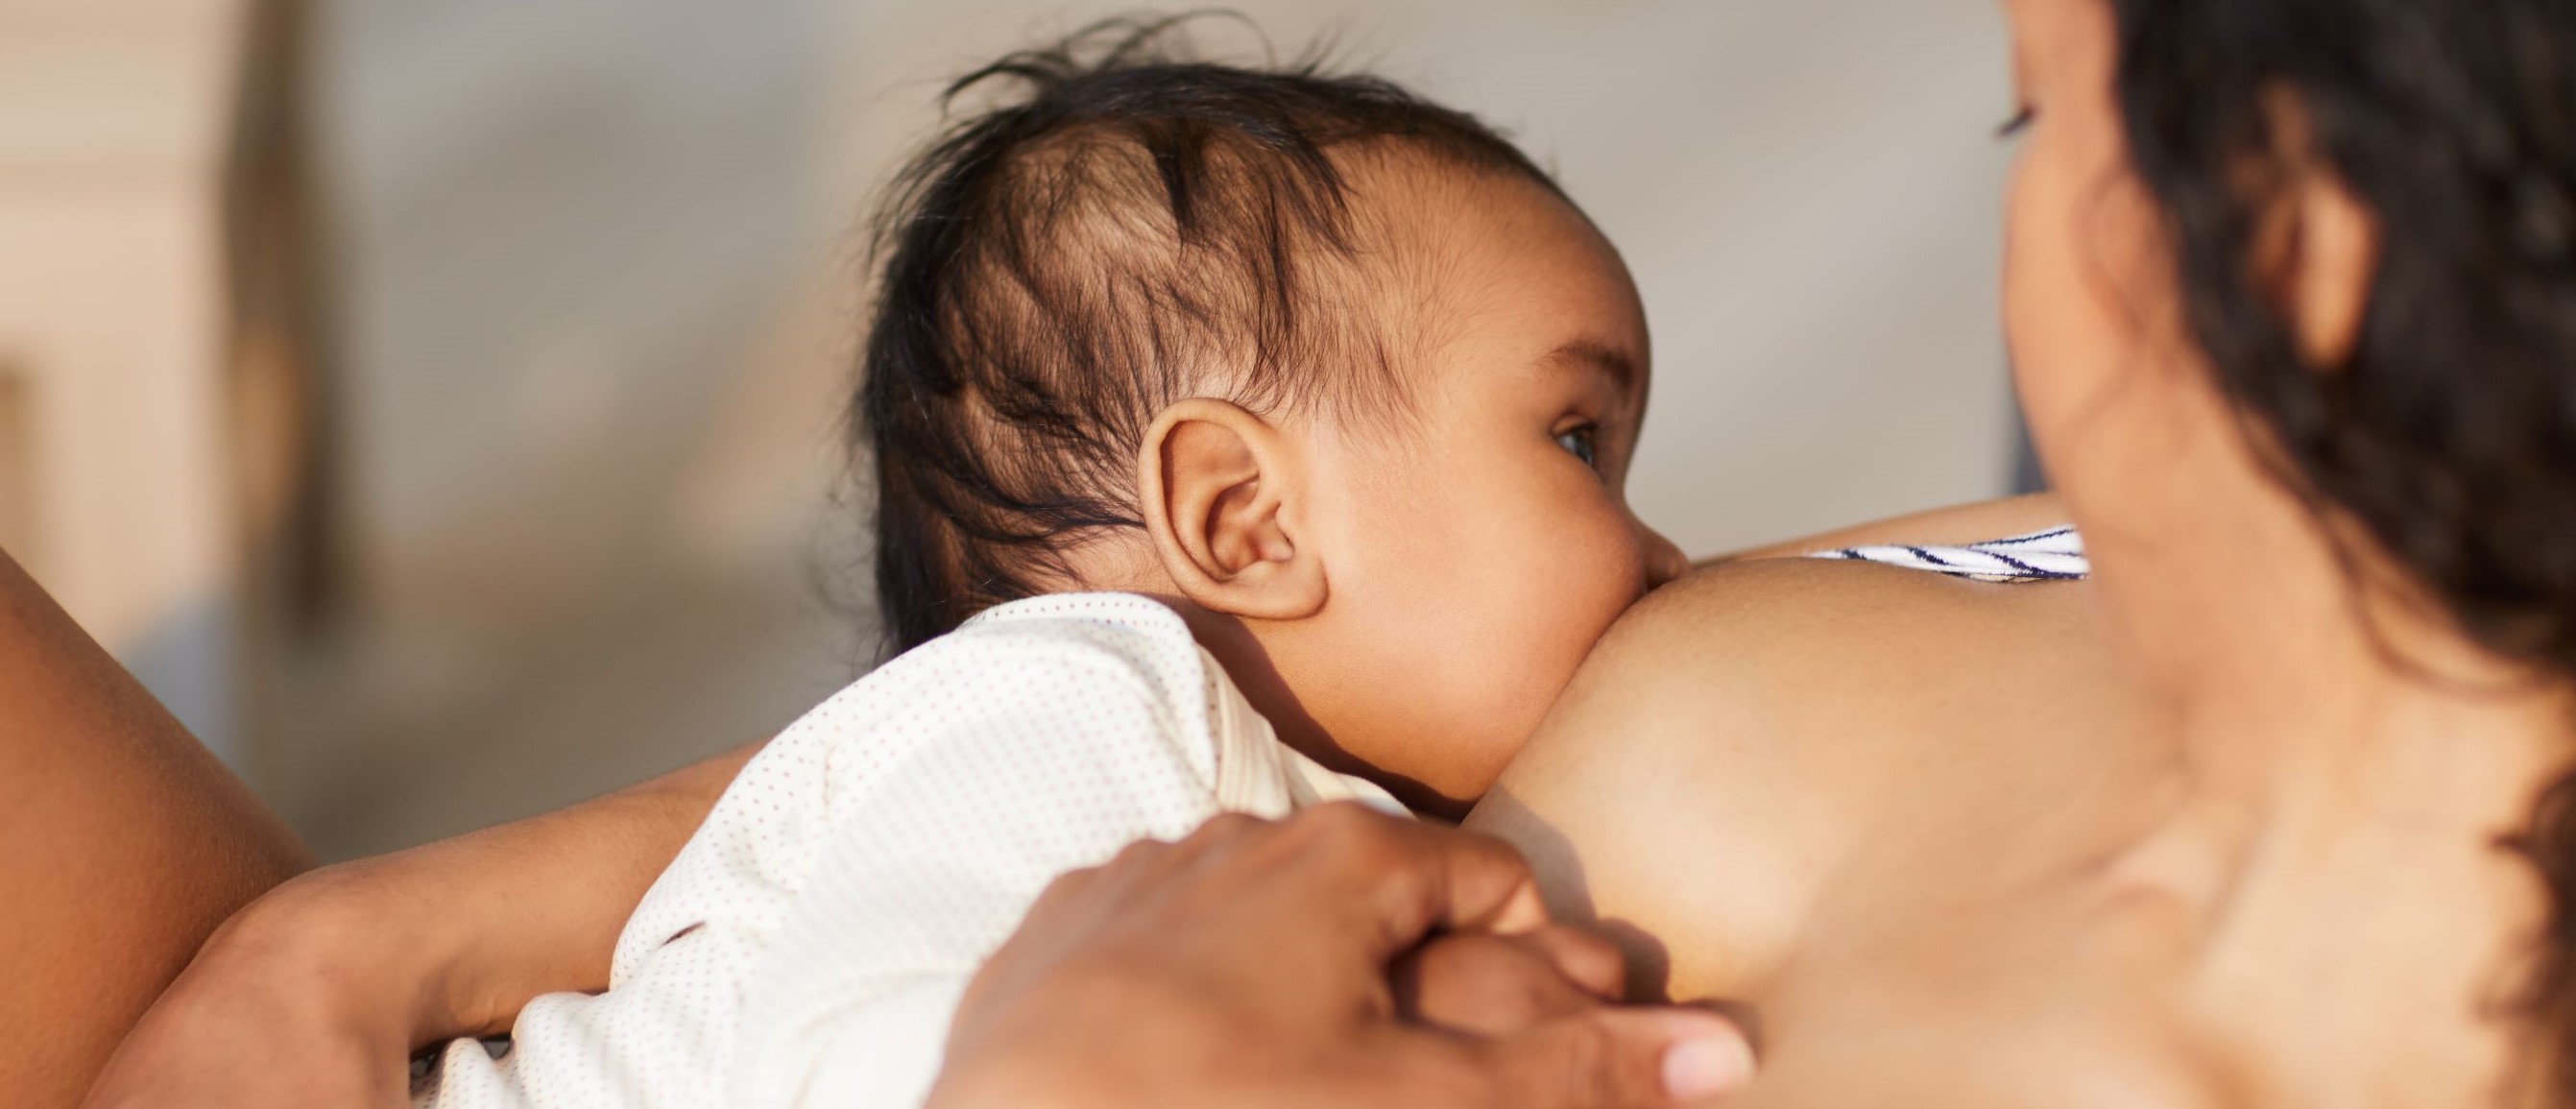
x=588 y=453
x=1806 y=190
x=591 y=268
x=114 y=122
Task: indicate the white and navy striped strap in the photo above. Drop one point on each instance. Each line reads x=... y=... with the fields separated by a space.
x=2056 y=555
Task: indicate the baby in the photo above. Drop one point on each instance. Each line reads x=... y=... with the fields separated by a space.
x=1244 y=440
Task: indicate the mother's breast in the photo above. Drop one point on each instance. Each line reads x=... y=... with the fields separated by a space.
x=1763 y=745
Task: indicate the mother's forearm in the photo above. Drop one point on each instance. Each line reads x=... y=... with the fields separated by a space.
x=468 y=930
x=317 y=993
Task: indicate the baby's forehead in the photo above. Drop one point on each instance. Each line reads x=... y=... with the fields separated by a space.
x=1419 y=200
x=1450 y=255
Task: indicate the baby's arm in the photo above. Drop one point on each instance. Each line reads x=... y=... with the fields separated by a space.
x=1941 y=527
x=317 y=993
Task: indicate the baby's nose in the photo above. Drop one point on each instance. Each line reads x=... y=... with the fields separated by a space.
x=1664 y=559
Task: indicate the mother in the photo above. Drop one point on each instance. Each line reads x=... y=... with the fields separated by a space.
x=2292 y=297
x=2293 y=302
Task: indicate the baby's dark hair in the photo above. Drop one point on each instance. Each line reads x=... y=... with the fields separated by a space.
x=1129 y=229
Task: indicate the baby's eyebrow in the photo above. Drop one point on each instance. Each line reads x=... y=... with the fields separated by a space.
x=1594 y=354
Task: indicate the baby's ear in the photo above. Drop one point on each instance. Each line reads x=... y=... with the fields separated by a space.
x=1222 y=493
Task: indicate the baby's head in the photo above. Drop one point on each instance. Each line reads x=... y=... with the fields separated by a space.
x=1338 y=372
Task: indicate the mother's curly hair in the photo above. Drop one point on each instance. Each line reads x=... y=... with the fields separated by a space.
x=2451 y=433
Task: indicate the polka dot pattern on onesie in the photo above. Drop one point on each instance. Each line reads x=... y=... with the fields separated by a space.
x=809 y=943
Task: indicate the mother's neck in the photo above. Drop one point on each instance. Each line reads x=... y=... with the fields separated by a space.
x=2284 y=637
x=2347 y=761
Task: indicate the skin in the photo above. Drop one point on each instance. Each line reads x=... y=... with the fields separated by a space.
x=1308 y=555
x=130 y=843
x=1311 y=555
x=1544 y=363
x=1171 y=950
x=2279 y=883
x=316 y=993
x=2264 y=871
x=1477 y=541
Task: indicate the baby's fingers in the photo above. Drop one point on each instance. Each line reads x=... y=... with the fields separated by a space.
x=1488 y=985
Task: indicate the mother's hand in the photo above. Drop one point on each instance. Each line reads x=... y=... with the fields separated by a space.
x=1248 y=964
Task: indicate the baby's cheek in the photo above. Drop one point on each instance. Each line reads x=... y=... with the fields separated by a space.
x=1597 y=573
x=1485 y=604
x=1576 y=585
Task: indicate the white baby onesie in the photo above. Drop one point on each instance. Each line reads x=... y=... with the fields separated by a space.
x=808 y=946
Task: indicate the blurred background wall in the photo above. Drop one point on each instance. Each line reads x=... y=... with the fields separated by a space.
x=437 y=403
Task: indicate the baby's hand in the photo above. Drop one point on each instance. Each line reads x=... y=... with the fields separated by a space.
x=1247 y=965
x=1487 y=984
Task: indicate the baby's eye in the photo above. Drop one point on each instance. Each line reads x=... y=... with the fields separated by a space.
x=1580 y=442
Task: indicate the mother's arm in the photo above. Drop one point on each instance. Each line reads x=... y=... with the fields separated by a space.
x=127 y=844
x=317 y=994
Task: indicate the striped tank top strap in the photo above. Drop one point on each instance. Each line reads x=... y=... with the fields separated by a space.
x=2053 y=555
